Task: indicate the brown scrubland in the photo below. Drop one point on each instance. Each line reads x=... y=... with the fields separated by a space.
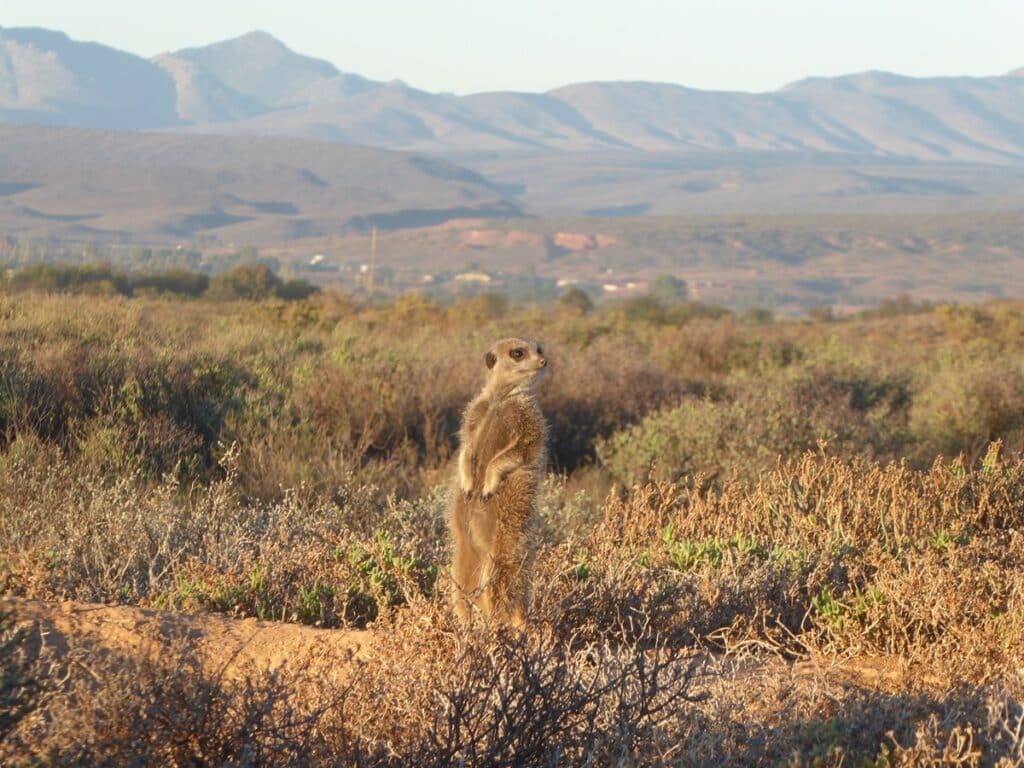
x=222 y=536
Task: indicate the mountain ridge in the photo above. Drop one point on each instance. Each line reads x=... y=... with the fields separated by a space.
x=255 y=84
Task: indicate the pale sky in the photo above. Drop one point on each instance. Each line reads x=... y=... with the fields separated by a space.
x=467 y=46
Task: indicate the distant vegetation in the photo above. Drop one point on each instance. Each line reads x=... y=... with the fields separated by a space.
x=249 y=282
x=787 y=265
x=28 y=252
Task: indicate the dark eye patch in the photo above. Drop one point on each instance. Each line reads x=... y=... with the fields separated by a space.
x=539 y=350
x=517 y=353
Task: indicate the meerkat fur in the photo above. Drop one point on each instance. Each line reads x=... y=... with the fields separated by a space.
x=501 y=465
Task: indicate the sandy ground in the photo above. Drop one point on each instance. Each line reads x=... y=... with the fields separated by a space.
x=224 y=645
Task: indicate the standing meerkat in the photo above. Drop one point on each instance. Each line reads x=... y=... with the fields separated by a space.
x=502 y=460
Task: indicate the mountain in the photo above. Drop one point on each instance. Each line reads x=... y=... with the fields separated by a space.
x=240 y=77
x=159 y=187
x=939 y=118
x=45 y=77
x=870 y=115
x=872 y=141
x=202 y=98
x=255 y=84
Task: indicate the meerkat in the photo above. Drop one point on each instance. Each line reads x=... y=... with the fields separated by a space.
x=502 y=458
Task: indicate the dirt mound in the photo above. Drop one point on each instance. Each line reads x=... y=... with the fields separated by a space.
x=222 y=644
x=236 y=646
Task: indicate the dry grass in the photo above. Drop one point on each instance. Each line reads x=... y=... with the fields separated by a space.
x=290 y=463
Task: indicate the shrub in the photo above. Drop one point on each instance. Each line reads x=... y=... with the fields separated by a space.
x=578 y=299
x=668 y=289
x=98 y=278
x=249 y=282
x=178 y=282
x=965 y=403
x=762 y=418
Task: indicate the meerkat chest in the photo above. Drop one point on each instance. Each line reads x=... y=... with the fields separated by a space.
x=490 y=430
x=478 y=420
x=514 y=422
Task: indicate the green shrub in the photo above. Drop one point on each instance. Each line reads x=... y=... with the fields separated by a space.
x=763 y=417
x=249 y=282
x=578 y=299
x=965 y=403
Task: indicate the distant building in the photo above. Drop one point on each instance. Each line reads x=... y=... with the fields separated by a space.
x=473 y=277
x=318 y=263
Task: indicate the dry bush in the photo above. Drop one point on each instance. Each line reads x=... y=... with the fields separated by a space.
x=435 y=697
x=66 y=534
x=381 y=407
x=161 y=707
x=821 y=554
x=817 y=722
x=491 y=699
x=430 y=696
x=120 y=405
x=309 y=391
x=321 y=388
x=990 y=733
x=24 y=668
x=598 y=389
x=841 y=557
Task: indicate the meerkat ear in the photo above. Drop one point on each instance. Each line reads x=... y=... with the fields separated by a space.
x=490 y=358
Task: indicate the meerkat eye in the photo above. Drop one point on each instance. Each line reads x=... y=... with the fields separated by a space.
x=539 y=350
x=517 y=353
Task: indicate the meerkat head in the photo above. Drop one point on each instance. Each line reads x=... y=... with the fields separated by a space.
x=516 y=364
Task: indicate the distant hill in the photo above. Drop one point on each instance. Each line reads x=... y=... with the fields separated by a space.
x=152 y=187
x=256 y=85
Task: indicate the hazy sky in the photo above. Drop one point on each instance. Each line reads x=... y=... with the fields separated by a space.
x=475 y=45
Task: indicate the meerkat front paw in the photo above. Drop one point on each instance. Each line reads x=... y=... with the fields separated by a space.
x=491 y=482
x=465 y=474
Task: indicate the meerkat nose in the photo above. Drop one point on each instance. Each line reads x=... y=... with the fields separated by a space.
x=543 y=362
